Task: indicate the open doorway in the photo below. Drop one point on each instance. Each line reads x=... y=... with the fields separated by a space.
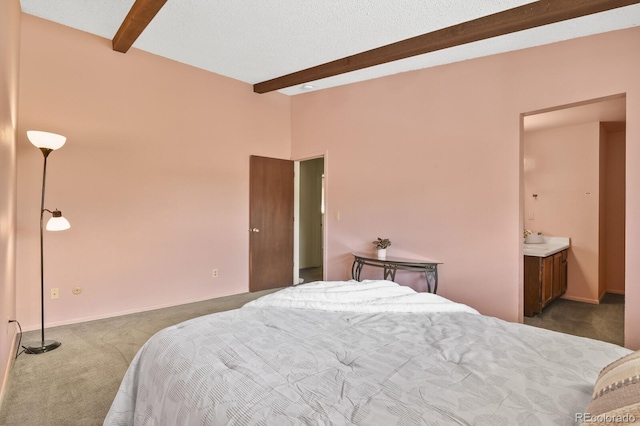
x=574 y=186
x=309 y=230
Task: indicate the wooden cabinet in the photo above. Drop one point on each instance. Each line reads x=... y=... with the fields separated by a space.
x=547 y=276
x=545 y=279
x=559 y=273
x=564 y=272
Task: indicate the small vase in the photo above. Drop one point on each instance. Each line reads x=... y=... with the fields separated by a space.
x=382 y=254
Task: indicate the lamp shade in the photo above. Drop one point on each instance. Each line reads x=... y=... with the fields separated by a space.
x=58 y=222
x=45 y=139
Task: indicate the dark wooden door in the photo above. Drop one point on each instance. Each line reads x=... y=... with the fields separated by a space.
x=270 y=223
x=557 y=275
x=563 y=272
x=547 y=280
x=532 y=285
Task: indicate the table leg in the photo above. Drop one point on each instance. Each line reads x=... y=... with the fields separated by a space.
x=356 y=269
x=353 y=269
x=390 y=271
x=435 y=280
x=433 y=274
x=426 y=277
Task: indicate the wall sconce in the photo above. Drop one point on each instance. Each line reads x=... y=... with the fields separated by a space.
x=47 y=143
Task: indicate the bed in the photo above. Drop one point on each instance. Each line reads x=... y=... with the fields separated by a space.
x=358 y=353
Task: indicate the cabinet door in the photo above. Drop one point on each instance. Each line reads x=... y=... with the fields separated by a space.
x=557 y=275
x=563 y=272
x=547 y=280
x=532 y=285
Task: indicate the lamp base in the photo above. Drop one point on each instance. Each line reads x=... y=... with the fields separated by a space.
x=46 y=346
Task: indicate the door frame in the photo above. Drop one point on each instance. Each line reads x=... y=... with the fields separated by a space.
x=296 y=213
x=523 y=220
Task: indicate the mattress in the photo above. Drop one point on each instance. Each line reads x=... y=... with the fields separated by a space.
x=349 y=353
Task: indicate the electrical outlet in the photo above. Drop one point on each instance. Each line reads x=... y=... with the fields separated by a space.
x=55 y=293
x=215 y=273
x=76 y=290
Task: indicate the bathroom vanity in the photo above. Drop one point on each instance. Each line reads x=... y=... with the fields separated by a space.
x=545 y=273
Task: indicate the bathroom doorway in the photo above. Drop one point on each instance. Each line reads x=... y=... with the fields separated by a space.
x=310 y=226
x=574 y=186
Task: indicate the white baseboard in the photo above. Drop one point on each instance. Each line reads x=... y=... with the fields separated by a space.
x=10 y=362
x=582 y=299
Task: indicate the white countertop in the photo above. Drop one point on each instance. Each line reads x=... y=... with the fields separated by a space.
x=548 y=246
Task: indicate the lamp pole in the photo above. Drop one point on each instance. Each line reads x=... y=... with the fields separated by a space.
x=46 y=142
x=45 y=346
x=45 y=152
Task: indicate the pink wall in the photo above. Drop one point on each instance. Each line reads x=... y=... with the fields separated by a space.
x=432 y=160
x=614 y=213
x=9 y=59
x=562 y=168
x=153 y=177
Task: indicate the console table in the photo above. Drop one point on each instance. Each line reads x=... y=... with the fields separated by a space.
x=392 y=264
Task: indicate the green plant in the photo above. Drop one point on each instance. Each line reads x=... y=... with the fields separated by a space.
x=381 y=243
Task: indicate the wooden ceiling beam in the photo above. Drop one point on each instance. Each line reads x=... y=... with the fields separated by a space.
x=509 y=21
x=140 y=15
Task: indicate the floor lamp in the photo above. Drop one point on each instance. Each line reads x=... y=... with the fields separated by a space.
x=47 y=143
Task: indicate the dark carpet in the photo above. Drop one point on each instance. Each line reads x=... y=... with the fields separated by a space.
x=601 y=322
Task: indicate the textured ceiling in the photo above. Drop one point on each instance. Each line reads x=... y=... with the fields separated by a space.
x=254 y=41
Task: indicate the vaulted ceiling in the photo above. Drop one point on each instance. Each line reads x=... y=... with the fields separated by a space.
x=259 y=41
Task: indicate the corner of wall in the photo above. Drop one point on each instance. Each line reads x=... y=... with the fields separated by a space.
x=10 y=22
x=602 y=222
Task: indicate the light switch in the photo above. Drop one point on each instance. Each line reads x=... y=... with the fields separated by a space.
x=532 y=216
x=336 y=215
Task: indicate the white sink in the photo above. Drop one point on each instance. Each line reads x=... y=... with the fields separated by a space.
x=551 y=245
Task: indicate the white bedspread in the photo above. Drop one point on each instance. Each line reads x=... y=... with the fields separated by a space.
x=353 y=296
x=269 y=365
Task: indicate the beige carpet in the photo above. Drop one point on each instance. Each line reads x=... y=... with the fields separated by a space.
x=75 y=384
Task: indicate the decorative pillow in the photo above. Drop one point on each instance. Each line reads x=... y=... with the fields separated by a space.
x=616 y=395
